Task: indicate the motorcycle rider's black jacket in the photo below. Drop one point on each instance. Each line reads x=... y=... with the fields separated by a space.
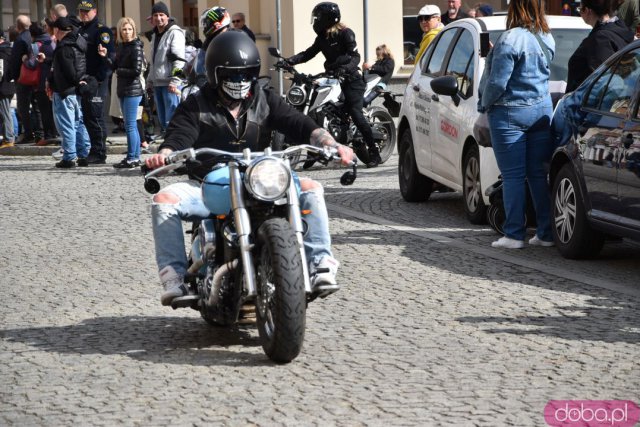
x=340 y=51
x=202 y=120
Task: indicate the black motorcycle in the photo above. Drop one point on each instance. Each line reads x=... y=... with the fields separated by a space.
x=249 y=252
x=320 y=97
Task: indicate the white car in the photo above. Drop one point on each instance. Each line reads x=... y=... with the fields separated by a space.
x=436 y=138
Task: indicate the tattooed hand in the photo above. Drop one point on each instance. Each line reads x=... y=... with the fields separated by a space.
x=321 y=138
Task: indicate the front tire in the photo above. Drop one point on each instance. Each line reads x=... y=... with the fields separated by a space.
x=474 y=205
x=414 y=186
x=382 y=121
x=572 y=233
x=281 y=301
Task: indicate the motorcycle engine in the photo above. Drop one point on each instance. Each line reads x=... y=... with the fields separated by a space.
x=327 y=118
x=337 y=129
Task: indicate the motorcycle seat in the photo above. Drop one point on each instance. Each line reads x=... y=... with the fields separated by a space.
x=370 y=77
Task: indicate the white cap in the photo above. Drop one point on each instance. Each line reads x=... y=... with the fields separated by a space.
x=429 y=10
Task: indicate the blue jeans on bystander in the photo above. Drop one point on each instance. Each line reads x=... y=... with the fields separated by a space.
x=521 y=140
x=129 y=106
x=166 y=104
x=67 y=115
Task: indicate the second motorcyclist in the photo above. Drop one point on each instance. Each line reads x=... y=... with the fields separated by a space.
x=234 y=111
x=338 y=45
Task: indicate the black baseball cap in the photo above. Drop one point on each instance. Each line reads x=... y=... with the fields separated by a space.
x=86 y=5
x=63 y=23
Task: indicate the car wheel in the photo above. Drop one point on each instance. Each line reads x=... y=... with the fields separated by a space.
x=414 y=186
x=472 y=190
x=572 y=233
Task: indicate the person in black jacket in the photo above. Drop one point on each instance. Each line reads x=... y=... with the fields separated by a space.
x=45 y=116
x=7 y=90
x=338 y=45
x=609 y=35
x=68 y=74
x=128 y=66
x=233 y=111
x=383 y=66
x=22 y=49
x=93 y=98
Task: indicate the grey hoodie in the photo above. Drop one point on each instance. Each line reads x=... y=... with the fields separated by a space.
x=167 y=56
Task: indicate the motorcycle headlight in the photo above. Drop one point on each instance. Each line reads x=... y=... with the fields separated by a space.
x=267 y=179
x=296 y=95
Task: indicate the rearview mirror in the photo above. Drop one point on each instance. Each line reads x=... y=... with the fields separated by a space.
x=273 y=51
x=446 y=85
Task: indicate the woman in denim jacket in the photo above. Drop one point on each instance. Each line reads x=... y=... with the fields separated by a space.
x=514 y=92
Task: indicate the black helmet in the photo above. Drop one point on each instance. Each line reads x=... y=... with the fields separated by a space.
x=233 y=63
x=324 y=16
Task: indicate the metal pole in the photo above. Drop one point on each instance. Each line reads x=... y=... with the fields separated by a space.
x=279 y=43
x=15 y=5
x=366 y=30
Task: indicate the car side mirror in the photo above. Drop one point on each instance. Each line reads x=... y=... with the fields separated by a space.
x=274 y=51
x=446 y=85
x=485 y=45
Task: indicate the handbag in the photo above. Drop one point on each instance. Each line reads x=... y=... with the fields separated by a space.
x=30 y=76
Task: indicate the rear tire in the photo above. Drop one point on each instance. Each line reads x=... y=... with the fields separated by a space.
x=383 y=123
x=414 y=186
x=281 y=301
x=471 y=188
x=572 y=233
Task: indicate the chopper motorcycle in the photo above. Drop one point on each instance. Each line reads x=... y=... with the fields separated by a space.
x=320 y=97
x=250 y=250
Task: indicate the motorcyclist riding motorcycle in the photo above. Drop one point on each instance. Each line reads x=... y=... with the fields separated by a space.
x=234 y=111
x=338 y=45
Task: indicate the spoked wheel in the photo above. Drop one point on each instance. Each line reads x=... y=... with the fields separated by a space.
x=281 y=301
x=473 y=203
x=383 y=122
x=571 y=231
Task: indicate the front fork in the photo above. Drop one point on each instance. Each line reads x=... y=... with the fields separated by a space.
x=295 y=219
x=243 y=228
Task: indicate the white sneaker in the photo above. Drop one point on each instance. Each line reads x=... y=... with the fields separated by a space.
x=535 y=241
x=508 y=243
x=173 y=285
x=58 y=154
x=323 y=275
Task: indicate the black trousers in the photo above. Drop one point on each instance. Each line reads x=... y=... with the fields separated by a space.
x=28 y=112
x=353 y=91
x=92 y=102
x=46 y=114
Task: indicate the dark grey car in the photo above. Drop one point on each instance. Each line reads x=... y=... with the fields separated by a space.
x=595 y=172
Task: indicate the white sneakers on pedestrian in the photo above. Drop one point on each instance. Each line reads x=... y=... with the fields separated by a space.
x=323 y=275
x=508 y=243
x=535 y=241
x=58 y=154
x=173 y=284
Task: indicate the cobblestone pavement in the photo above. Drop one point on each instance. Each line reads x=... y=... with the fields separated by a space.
x=430 y=328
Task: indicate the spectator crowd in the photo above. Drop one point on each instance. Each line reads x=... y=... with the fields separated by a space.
x=57 y=74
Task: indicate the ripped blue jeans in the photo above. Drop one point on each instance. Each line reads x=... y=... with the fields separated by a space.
x=168 y=235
